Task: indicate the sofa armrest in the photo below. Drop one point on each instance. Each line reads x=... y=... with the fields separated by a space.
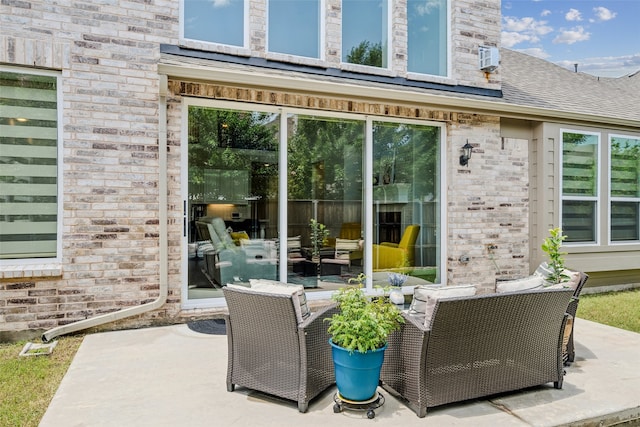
x=389 y=244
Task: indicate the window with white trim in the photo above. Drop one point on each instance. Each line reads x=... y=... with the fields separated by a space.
x=624 y=188
x=215 y=21
x=580 y=186
x=427 y=28
x=365 y=32
x=299 y=36
x=29 y=165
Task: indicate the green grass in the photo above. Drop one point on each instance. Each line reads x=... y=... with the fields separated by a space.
x=618 y=309
x=27 y=384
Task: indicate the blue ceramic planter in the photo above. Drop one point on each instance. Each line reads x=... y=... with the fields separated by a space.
x=357 y=374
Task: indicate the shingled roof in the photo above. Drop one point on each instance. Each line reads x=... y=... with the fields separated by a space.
x=533 y=82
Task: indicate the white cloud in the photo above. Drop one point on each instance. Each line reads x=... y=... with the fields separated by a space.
x=518 y=30
x=427 y=6
x=545 y=12
x=220 y=3
x=603 y=14
x=573 y=15
x=577 y=34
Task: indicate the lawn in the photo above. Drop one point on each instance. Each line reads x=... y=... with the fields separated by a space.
x=619 y=309
x=27 y=384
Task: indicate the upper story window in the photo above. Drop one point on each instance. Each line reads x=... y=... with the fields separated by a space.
x=29 y=183
x=215 y=21
x=580 y=186
x=427 y=37
x=294 y=27
x=365 y=32
x=624 y=187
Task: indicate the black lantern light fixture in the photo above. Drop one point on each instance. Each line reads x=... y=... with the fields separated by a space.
x=466 y=154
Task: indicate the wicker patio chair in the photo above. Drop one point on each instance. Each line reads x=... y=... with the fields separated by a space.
x=271 y=352
x=477 y=346
x=570 y=353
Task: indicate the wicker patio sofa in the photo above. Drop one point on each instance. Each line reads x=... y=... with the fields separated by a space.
x=272 y=350
x=477 y=346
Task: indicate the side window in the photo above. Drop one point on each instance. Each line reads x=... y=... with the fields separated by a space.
x=624 y=158
x=427 y=28
x=294 y=27
x=365 y=32
x=215 y=21
x=29 y=165
x=580 y=186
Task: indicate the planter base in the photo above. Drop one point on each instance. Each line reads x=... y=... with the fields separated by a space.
x=370 y=405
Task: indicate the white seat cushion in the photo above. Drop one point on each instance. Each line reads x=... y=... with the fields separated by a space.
x=532 y=282
x=276 y=287
x=425 y=298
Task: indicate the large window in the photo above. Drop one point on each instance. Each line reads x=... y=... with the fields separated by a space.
x=237 y=208
x=365 y=32
x=29 y=123
x=215 y=21
x=580 y=186
x=427 y=41
x=294 y=27
x=624 y=158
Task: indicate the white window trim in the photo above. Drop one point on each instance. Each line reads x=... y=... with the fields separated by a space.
x=279 y=56
x=617 y=199
x=598 y=198
x=243 y=50
x=40 y=267
x=447 y=78
x=187 y=303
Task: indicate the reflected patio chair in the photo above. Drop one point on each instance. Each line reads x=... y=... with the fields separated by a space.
x=347 y=251
x=397 y=255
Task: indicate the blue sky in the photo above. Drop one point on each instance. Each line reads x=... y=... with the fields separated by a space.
x=602 y=37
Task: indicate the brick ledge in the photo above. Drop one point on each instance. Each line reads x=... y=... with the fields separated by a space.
x=30 y=270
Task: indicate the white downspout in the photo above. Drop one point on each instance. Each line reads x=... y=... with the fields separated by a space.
x=163 y=239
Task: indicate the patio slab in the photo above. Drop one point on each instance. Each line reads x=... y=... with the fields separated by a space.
x=174 y=376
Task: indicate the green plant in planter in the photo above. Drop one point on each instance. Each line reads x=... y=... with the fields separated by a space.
x=362 y=323
x=551 y=246
x=319 y=235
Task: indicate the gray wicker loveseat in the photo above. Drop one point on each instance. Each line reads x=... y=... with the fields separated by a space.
x=475 y=346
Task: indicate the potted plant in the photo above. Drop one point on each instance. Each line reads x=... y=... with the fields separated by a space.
x=359 y=333
x=396 y=280
x=319 y=235
x=551 y=246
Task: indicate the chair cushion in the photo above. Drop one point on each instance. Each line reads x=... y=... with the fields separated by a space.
x=425 y=298
x=236 y=236
x=532 y=282
x=276 y=287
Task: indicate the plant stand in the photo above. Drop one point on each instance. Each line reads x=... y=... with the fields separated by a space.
x=366 y=405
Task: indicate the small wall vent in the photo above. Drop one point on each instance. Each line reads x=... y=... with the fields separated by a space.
x=489 y=58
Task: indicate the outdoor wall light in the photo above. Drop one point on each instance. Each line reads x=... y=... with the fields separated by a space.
x=466 y=154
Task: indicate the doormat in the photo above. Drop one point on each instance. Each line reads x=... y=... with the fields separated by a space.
x=209 y=326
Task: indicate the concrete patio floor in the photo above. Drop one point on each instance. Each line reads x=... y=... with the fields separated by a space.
x=173 y=376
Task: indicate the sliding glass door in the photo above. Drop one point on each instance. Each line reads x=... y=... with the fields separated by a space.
x=238 y=227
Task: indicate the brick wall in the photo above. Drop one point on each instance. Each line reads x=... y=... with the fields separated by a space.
x=108 y=53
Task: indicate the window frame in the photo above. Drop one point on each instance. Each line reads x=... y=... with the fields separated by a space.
x=389 y=41
x=283 y=149
x=598 y=187
x=215 y=45
x=60 y=168
x=420 y=76
x=321 y=35
x=612 y=199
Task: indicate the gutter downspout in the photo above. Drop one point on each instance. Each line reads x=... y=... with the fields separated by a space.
x=163 y=238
